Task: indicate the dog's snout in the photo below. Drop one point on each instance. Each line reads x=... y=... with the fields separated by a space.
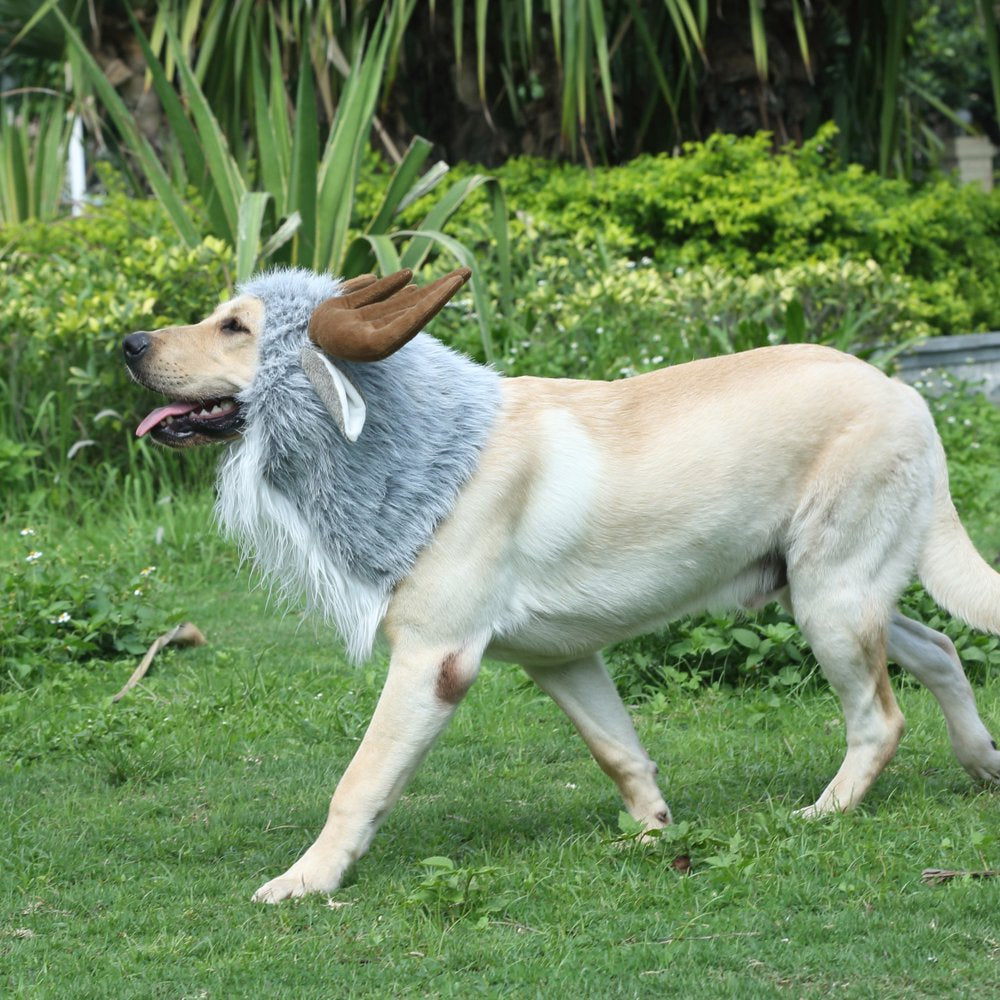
x=135 y=345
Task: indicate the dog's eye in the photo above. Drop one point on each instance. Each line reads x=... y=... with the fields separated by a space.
x=233 y=325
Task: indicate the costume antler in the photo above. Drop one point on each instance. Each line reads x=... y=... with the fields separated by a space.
x=376 y=318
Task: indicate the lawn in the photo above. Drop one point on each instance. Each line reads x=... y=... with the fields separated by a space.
x=136 y=832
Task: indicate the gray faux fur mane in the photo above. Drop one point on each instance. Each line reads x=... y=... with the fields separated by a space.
x=340 y=523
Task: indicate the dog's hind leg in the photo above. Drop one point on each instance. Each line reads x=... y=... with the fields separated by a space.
x=932 y=659
x=848 y=634
x=585 y=692
x=422 y=690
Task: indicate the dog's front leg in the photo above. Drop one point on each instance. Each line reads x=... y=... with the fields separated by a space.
x=584 y=690
x=421 y=692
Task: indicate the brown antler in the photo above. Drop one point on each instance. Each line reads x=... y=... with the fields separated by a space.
x=376 y=318
x=353 y=284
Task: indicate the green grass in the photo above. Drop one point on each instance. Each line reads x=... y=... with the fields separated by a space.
x=135 y=833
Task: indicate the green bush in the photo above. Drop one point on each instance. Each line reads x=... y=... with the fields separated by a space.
x=732 y=204
x=714 y=648
x=71 y=290
x=594 y=316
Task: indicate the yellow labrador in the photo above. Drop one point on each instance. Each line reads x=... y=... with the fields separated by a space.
x=600 y=510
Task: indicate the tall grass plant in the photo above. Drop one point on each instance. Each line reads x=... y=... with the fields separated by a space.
x=34 y=139
x=292 y=201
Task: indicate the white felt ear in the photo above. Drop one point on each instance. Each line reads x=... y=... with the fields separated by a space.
x=337 y=391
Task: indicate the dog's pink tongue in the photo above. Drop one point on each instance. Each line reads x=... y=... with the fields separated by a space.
x=161 y=413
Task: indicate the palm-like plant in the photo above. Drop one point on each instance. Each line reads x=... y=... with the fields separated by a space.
x=275 y=189
x=615 y=77
x=34 y=135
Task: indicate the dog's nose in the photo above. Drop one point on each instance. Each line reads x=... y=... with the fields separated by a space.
x=135 y=345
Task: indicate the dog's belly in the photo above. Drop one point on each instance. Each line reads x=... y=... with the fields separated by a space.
x=576 y=611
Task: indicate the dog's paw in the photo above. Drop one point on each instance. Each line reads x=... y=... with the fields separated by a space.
x=815 y=811
x=984 y=766
x=293 y=885
x=278 y=889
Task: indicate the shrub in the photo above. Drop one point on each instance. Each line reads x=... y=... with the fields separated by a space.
x=582 y=313
x=71 y=290
x=732 y=204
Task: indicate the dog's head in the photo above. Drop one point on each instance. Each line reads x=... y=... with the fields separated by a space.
x=206 y=367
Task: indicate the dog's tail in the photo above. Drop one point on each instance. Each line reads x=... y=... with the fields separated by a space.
x=951 y=569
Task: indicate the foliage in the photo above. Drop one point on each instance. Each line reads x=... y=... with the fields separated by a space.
x=594 y=316
x=713 y=649
x=732 y=204
x=34 y=135
x=449 y=892
x=599 y=81
x=950 y=63
x=63 y=606
x=290 y=196
x=759 y=250
x=71 y=290
x=848 y=304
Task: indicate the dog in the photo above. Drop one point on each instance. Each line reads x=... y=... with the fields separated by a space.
x=400 y=488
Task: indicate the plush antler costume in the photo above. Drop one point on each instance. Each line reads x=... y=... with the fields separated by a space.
x=371 y=486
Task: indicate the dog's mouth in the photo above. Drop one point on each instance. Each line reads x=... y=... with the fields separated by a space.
x=182 y=424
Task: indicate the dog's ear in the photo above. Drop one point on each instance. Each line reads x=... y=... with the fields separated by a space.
x=339 y=394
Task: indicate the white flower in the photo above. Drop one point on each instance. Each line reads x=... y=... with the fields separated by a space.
x=137 y=592
x=33 y=556
x=147 y=571
x=25 y=532
x=62 y=619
